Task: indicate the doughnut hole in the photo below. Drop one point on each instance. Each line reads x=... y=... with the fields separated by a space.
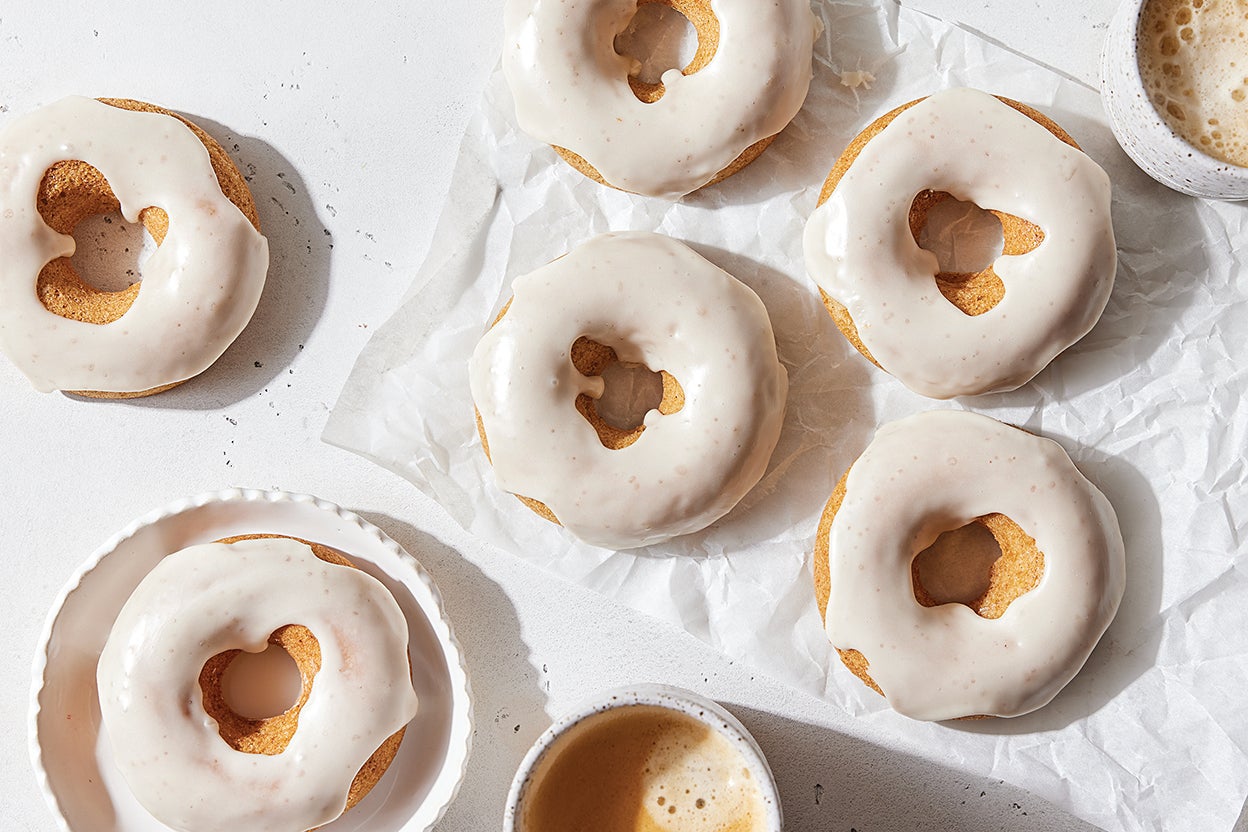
x=262 y=735
x=591 y=358
x=706 y=25
x=973 y=293
x=658 y=39
x=73 y=191
x=264 y=684
x=984 y=565
x=111 y=251
x=966 y=278
x=940 y=573
x=70 y=193
x=630 y=391
x=271 y=735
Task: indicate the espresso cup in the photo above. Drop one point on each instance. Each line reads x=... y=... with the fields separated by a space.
x=1143 y=133
x=531 y=776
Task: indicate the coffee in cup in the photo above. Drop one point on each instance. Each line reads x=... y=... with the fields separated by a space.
x=642 y=768
x=1174 y=76
x=1193 y=57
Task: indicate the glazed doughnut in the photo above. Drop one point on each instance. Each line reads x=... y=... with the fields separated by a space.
x=643 y=299
x=1052 y=593
x=979 y=333
x=697 y=126
x=199 y=288
x=197 y=765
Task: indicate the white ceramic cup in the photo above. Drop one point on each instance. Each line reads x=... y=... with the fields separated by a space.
x=700 y=708
x=1143 y=133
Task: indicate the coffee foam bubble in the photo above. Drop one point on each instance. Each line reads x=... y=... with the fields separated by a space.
x=642 y=768
x=1193 y=57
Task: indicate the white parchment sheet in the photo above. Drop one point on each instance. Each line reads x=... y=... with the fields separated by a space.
x=1154 y=731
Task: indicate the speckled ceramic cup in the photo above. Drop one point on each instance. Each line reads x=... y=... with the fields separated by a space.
x=699 y=708
x=1143 y=133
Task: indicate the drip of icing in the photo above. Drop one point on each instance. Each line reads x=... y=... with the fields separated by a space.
x=658 y=303
x=571 y=89
x=936 y=471
x=860 y=251
x=206 y=599
x=199 y=289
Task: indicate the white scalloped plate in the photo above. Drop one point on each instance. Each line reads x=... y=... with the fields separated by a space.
x=72 y=757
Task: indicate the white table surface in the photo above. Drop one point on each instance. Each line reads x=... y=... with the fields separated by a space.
x=347 y=116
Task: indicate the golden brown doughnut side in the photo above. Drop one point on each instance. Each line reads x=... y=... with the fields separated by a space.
x=272 y=735
x=537 y=506
x=229 y=177
x=591 y=358
x=1016 y=572
x=973 y=293
x=73 y=190
x=823 y=572
x=706 y=24
x=854 y=660
x=748 y=155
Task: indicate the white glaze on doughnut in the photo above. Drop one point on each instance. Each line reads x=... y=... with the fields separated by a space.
x=571 y=88
x=658 y=303
x=206 y=599
x=925 y=475
x=199 y=288
x=860 y=251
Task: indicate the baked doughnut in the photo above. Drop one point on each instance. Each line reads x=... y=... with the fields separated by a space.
x=979 y=333
x=1052 y=593
x=199 y=288
x=193 y=762
x=643 y=299
x=697 y=126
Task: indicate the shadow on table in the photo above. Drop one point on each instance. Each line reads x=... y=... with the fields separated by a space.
x=1129 y=647
x=833 y=112
x=829 y=412
x=1163 y=263
x=831 y=781
x=509 y=703
x=295 y=292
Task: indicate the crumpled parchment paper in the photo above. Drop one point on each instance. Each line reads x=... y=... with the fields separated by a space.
x=1154 y=731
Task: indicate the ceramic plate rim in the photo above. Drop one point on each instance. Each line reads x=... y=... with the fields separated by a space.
x=449 y=779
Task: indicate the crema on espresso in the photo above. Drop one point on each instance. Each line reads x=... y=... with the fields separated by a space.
x=1193 y=57
x=642 y=768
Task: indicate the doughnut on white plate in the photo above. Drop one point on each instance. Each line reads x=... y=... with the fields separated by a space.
x=73 y=759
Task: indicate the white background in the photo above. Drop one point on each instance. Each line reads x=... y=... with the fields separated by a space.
x=347 y=118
